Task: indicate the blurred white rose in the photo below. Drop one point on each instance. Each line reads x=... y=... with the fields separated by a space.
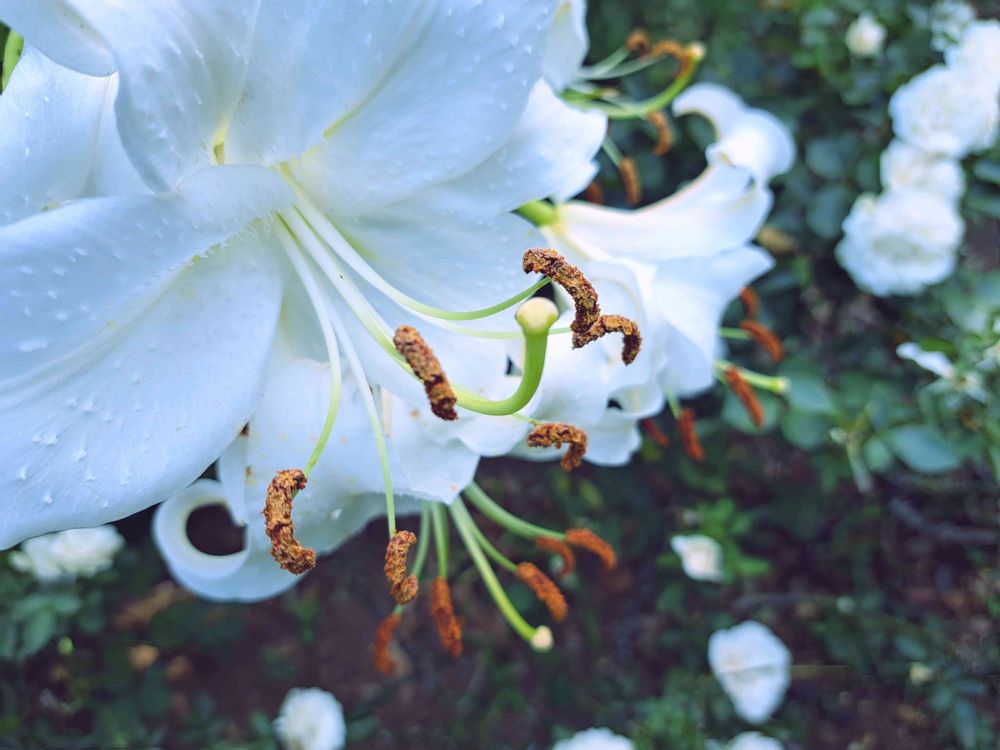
x=700 y=555
x=947 y=110
x=948 y=20
x=979 y=50
x=66 y=555
x=310 y=719
x=865 y=36
x=753 y=741
x=907 y=168
x=900 y=242
x=753 y=666
x=595 y=739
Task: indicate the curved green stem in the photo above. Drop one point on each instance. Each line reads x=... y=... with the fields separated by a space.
x=737 y=334
x=770 y=383
x=423 y=543
x=440 y=525
x=492 y=510
x=498 y=557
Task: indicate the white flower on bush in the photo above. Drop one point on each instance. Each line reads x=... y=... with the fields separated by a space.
x=701 y=556
x=950 y=111
x=753 y=666
x=900 y=242
x=753 y=741
x=66 y=555
x=948 y=20
x=969 y=383
x=595 y=739
x=978 y=49
x=907 y=168
x=865 y=36
x=310 y=719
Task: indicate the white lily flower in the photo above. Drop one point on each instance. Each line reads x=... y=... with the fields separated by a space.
x=329 y=186
x=753 y=666
x=311 y=719
x=67 y=555
x=595 y=739
x=936 y=362
x=700 y=555
x=567 y=44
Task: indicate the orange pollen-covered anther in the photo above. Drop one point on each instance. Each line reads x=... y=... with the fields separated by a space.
x=594 y=193
x=766 y=338
x=550 y=263
x=420 y=357
x=630 y=180
x=403 y=587
x=588 y=540
x=652 y=429
x=751 y=302
x=664 y=135
x=285 y=548
x=689 y=435
x=638 y=41
x=613 y=324
x=676 y=50
x=558 y=547
x=448 y=627
x=544 y=588
x=742 y=390
x=383 y=637
x=554 y=434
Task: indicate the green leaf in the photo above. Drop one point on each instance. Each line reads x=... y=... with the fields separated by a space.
x=876 y=454
x=987 y=170
x=804 y=430
x=921 y=448
x=824 y=158
x=809 y=394
x=38 y=631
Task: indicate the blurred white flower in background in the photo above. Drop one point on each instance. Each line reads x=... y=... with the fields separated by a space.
x=753 y=666
x=900 y=242
x=67 y=555
x=865 y=36
x=701 y=556
x=310 y=719
x=978 y=49
x=952 y=111
x=948 y=20
x=595 y=739
x=753 y=741
x=968 y=384
x=936 y=362
x=904 y=167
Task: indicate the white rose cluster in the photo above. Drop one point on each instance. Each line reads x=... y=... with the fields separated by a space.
x=67 y=555
x=908 y=237
x=865 y=37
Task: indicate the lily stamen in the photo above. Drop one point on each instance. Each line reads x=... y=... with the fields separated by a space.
x=689 y=435
x=653 y=431
x=750 y=301
x=550 y=263
x=614 y=324
x=629 y=173
x=742 y=390
x=638 y=41
x=384 y=663
x=420 y=357
x=285 y=548
x=664 y=135
x=594 y=193
x=554 y=434
x=402 y=587
x=588 y=540
x=544 y=588
x=560 y=548
x=766 y=338
x=448 y=627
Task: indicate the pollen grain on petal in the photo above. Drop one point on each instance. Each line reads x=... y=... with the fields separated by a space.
x=588 y=540
x=384 y=663
x=613 y=324
x=425 y=365
x=550 y=263
x=664 y=135
x=558 y=547
x=766 y=338
x=554 y=434
x=448 y=627
x=630 y=180
x=544 y=588
x=689 y=435
x=402 y=587
x=742 y=390
x=285 y=548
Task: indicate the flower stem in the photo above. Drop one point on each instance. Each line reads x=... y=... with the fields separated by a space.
x=539 y=213
x=498 y=557
x=737 y=334
x=11 y=54
x=492 y=510
x=771 y=383
x=440 y=525
x=423 y=543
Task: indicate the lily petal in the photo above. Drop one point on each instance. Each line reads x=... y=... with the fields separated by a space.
x=567 y=44
x=58 y=29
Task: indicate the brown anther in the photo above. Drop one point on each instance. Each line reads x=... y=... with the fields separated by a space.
x=774 y=240
x=285 y=548
x=766 y=338
x=689 y=436
x=448 y=627
x=544 y=588
x=420 y=357
x=383 y=636
x=588 y=540
x=676 y=50
x=569 y=277
x=742 y=390
x=652 y=429
x=664 y=135
x=630 y=180
x=638 y=42
x=554 y=434
x=613 y=324
x=558 y=547
x=403 y=587
x=595 y=193
x=750 y=301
